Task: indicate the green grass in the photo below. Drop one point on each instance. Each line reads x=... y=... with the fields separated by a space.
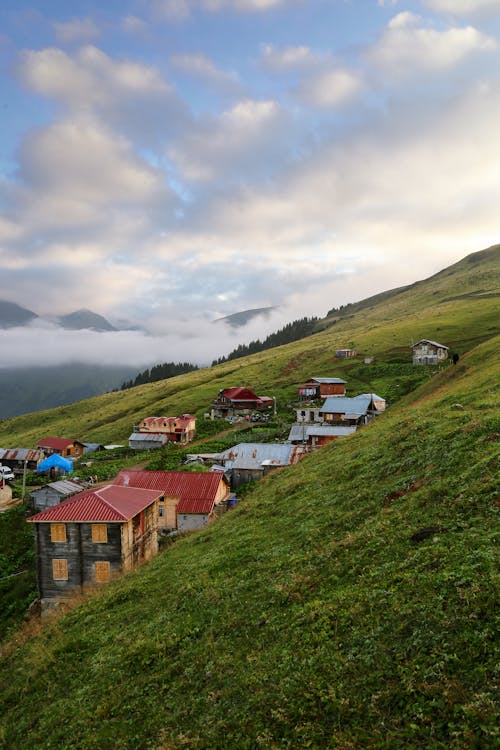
x=348 y=602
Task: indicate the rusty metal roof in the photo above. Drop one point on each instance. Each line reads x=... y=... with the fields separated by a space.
x=109 y=503
x=196 y=490
x=21 y=454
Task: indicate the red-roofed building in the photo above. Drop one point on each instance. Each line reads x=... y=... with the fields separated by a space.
x=94 y=536
x=177 y=429
x=238 y=401
x=191 y=499
x=63 y=446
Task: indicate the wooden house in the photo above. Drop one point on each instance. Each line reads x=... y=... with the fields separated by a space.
x=175 y=429
x=346 y=353
x=426 y=352
x=354 y=411
x=317 y=435
x=54 y=493
x=190 y=499
x=65 y=447
x=19 y=458
x=93 y=536
x=238 y=401
x=316 y=388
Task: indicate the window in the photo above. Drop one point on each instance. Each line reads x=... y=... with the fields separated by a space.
x=57 y=532
x=102 y=571
x=99 y=533
x=60 y=570
x=161 y=510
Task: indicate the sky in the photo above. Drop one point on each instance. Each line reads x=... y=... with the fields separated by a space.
x=169 y=162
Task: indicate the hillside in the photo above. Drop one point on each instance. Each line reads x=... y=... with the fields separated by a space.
x=458 y=306
x=347 y=603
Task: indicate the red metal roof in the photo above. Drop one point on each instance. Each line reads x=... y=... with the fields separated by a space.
x=56 y=443
x=172 y=423
x=196 y=490
x=110 y=503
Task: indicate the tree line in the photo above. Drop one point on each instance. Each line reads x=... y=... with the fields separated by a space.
x=159 y=372
x=297 y=329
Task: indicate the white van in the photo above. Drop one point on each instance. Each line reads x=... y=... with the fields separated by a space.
x=6 y=473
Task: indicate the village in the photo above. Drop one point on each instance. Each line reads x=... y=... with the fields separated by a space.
x=88 y=532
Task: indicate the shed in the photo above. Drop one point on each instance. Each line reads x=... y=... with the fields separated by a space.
x=17 y=458
x=146 y=441
x=53 y=493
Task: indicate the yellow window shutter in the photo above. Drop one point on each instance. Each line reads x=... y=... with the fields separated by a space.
x=102 y=571
x=57 y=532
x=60 y=570
x=99 y=533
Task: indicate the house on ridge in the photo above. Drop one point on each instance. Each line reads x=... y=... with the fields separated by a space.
x=426 y=352
x=316 y=388
x=238 y=401
x=93 y=536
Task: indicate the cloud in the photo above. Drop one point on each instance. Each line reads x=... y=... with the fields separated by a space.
x=129 y=95
x=331 y=88
x=408 y=46
x=176 y=10
x=235 y=142
x=133 y=25
x=77 y=30
x=200 y=66
x=463 y=7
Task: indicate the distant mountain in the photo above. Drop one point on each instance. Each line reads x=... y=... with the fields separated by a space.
x=85 y=319
x=12 y=315
x=239 y=319
x=24 y=390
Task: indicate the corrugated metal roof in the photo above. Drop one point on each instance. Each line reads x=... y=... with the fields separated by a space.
x=196 y=490
x=428 y=341
x=254 y=455
x=327 y=381
x=63 y=487
x=304 y=432
x=149 y=437
x=110 y=503
x=21 y=454
x=358 y=405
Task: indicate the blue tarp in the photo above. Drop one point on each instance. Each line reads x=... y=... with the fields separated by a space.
x=55 y=461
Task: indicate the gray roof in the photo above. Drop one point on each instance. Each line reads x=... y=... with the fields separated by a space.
x=62 y=487
x=304 y=432
x=257 y=455
x=327 y=380
x=344 y=405
x=428 y=341
x=21 y=454
x=148 y=437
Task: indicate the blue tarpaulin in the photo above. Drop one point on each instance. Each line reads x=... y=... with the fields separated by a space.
x=55 y=461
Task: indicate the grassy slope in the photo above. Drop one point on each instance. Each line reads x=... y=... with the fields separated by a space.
x=311 y=615
x=384 y=327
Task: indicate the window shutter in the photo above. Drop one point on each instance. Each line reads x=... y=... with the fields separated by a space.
x=57 y=532
x=99 y=533
x=60 y=570
x=102 y=571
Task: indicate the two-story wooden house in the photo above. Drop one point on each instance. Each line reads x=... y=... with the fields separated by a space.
x=316 y=388
x=238 y=401
x=426 y=352
x=93 y=536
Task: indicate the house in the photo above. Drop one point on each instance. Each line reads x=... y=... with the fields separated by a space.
x=175 y=429
x=315 y=436
x=17 y=458
x=238 y=401
x=316 y=388
x=247 y=461
x=92 y=447
x=190 y=499
x=426 y=352
x=346 y=353
x=54 y=493
x=309 y=415
x=354 y=411
x=93 y=536
x=62 y=446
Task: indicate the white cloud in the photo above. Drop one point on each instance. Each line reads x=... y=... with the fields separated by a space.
x=77 y=30
x=408 y=46
x=202 y=67
x=133 y=24
x=288 y=58
x=238 y=140
x=129 y=95
x=463 y=7
x=176 y=10
x=331 y=88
